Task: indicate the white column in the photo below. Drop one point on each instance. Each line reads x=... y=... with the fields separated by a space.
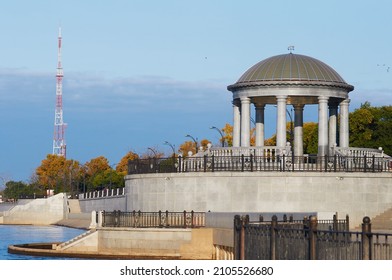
x=333 y=113
x=323 y=125
x=259 y=124
x=245 y=121
x=298 y=130
x=236 y=123
x=344 y=126
x=281 y=121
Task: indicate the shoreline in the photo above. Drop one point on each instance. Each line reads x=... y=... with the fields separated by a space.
x=45 y=250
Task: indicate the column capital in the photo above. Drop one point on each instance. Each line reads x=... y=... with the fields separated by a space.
x=323 y=99
x=345 y=102
x=298 y=107
x=281 y=97
x=245 y=99
x=259 y=105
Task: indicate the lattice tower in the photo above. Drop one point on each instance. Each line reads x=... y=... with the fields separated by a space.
x=59 y=145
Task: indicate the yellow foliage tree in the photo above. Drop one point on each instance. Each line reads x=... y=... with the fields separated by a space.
x=122 y=166
x=228 y=134
x=58 y=173
x=190 y=146
x=96 y=165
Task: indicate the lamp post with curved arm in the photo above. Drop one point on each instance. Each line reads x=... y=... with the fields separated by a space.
x=155 y=154
x=194 y=140
x=171 y=146
x=221 y=134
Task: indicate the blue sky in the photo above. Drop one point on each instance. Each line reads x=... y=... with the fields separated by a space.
x=139 y=73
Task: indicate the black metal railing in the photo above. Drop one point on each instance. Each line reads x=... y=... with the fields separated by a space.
x=253 y=163
x=160 y=219
x=314 y=240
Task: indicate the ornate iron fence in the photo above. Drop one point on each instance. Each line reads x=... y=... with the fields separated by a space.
x=252 y=163
x=292 y=241
x=138 y=219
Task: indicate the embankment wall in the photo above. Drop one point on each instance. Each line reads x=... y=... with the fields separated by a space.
x=355 y=194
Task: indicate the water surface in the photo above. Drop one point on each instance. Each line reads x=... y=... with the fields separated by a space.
x=12 y=235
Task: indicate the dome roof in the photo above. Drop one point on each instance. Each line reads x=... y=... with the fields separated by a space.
x=289 y=68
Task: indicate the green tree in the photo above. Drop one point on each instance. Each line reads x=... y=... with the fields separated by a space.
x=15 y=190
x=94 y=173
x=310 y=138
x=371 y=127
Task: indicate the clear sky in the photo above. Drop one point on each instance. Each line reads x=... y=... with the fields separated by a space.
x=139 y=73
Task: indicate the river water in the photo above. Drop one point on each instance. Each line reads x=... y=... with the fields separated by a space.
x=21 y=234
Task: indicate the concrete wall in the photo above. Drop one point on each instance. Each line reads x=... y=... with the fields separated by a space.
x=41 y=211
x=355 y=194
x=107 y=203
x=147 y=243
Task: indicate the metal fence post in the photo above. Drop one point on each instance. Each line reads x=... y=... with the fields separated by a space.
x=325 y=163
x=244 y=222
x=373 y=163
x=274 y=224
x=364 y=163
x=366 y=239
x=160 y=218
x=242 y=162
x=313 y=238
x=237 y=236
x=293 y=161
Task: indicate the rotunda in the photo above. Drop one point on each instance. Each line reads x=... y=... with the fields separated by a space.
x=296 y=80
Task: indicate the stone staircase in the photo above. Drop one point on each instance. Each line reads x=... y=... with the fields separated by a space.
x=72 y=241
x=383 y=221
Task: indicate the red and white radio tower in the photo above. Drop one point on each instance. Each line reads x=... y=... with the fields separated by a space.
x=59 y=146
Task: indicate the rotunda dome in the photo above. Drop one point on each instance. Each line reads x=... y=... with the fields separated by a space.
x=288 y=69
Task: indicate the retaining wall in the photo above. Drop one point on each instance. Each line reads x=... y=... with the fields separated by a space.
x=355 y=194
x=107 y=203
x=40 y=211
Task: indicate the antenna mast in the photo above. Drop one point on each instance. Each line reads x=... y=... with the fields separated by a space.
x=59 y=146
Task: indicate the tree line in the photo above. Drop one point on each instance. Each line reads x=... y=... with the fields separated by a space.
x=370 y=127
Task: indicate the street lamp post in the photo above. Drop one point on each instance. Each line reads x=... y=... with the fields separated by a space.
x=155 y=154
x=171 y=146
x=221 y=134
x=194 y=140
